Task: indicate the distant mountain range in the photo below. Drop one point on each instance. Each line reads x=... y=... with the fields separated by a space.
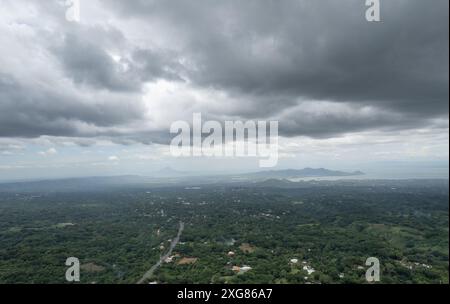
x=302 y=173
x=170 y=172
x=276 y=174
x=169 y=176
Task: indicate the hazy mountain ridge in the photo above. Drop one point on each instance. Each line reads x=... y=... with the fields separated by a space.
x=170 y=173
x=298 y=173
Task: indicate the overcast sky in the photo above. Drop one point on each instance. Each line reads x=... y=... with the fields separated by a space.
x=97 y=97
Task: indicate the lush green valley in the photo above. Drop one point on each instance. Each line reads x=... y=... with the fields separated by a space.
x=313 y=232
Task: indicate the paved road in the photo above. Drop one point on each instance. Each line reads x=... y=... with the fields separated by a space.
x=174 y=243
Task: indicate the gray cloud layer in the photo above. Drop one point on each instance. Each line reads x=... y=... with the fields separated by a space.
x=269 y=57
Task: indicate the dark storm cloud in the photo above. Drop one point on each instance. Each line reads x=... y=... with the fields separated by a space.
x=87 y=62
x=324 y=123
x=270 y=56
x=315 y=49
x=28 y=111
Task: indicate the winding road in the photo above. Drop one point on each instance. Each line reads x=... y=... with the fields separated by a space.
x=174 y=243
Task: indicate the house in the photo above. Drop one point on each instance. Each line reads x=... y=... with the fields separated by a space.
x=309 y=269
x=241 y=270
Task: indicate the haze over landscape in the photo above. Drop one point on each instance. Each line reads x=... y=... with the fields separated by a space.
x=90 y=92
x=97 y=97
